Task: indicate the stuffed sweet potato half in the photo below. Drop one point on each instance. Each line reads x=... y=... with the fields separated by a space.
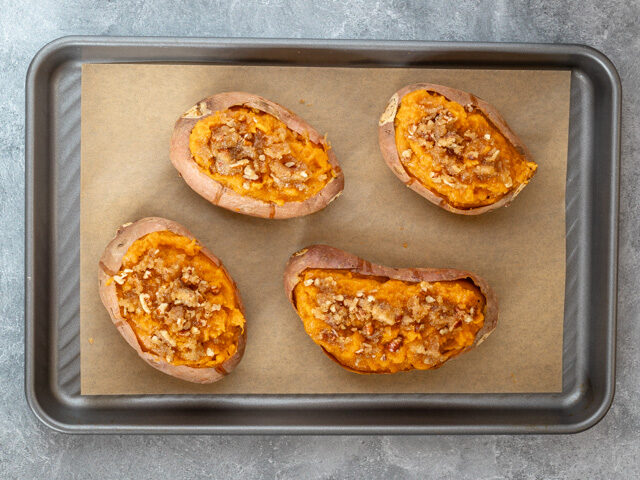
x=172 y=300
x=252 y=156
x=453 y=149
x=375 y=319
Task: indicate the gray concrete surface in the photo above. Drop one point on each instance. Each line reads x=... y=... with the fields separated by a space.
x=29 y=450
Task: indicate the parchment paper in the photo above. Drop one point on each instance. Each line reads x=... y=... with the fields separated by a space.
x=128 y=112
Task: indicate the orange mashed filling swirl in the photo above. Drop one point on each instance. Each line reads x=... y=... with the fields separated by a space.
x=257 y=155
x=181 y=306
x=456 y=152
x=382 y=325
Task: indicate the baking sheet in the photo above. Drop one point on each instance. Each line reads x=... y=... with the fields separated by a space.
x=128 y=113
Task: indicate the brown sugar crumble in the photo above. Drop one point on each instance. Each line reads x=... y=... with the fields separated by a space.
x=463 y=157
x=456 y=151
x=175 y=313
x=252 y=150
x=424 y=329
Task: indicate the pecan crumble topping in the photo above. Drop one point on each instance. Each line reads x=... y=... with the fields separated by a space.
x=456 y=151
x=252 y=151
x=177 y=302
x=380 y=326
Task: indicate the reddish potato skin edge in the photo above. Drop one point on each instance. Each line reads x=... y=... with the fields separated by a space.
x=387 y=141
x=327 y=257
x=225 y=197
x=111 y=262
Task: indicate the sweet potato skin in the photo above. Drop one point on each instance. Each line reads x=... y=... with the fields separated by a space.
x=225 y=197
x=327 y=257
x=109 y=265
x=387 y=142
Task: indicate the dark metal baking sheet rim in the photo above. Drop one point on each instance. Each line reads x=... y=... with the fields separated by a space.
x=592 y=228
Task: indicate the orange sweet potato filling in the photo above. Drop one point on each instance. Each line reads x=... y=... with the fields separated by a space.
x=381 y=325
x=456 y=152
x=181 y=306
x=257 y=155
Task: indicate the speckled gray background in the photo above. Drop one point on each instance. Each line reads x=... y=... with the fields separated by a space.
x=29 y=450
